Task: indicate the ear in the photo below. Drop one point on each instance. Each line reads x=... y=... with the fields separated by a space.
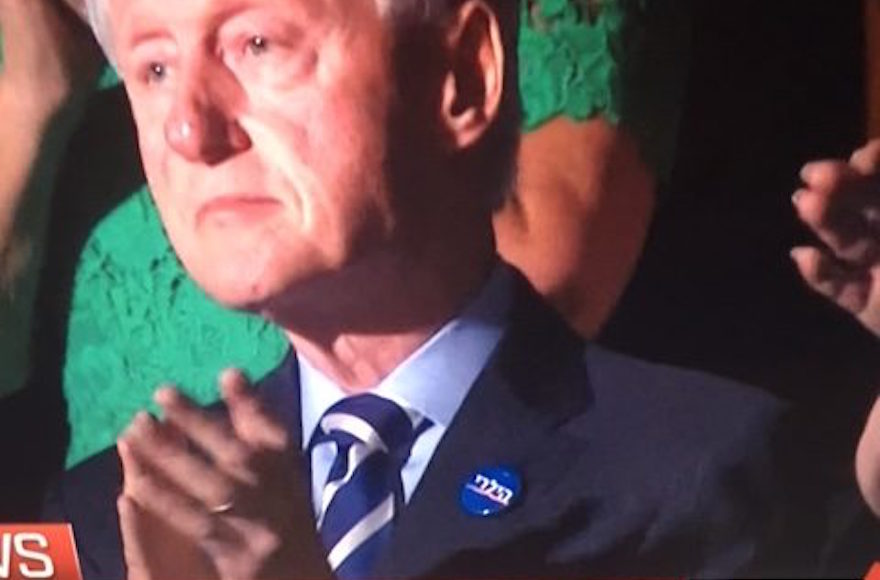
x=474 y=83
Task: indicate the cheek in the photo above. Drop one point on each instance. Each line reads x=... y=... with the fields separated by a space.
x=332 y=117
x=320 y=147
x=168 y=202
x=152 y=144
x=153 y=160
x=284 y=162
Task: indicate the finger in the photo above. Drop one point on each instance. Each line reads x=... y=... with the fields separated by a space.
x=130 y=522
x=840 y=218
x=250 y=418
x=154 y=550
x=155 y=446
x=847 y=287
x=125 y=458
x=211 y=432
x=866 y=160
x=843 y=183
x=158 y=498
x=136 y=559
x=827 y=174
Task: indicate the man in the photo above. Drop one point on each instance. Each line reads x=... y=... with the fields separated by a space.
x=333 y=166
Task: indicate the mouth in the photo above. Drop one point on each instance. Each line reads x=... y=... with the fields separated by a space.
x=237 y=209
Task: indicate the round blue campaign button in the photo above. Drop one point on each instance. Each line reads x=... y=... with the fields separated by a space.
x=490 y=490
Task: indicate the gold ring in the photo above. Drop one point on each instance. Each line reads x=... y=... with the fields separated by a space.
x=222 y=508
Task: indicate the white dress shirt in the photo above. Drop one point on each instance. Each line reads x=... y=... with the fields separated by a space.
x=433 y=381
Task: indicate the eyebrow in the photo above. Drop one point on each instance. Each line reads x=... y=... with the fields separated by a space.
x=155 y=32
x=146 y=36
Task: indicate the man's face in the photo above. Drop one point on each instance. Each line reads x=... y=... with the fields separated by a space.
x=262 y=127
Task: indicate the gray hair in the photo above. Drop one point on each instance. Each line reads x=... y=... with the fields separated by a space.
x=94 y=12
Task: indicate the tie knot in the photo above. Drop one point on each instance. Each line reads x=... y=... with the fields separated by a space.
x=378 y=423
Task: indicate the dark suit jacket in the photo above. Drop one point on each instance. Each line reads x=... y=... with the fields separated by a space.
x=629 y=468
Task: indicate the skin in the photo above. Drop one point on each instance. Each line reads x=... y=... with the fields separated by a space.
x=840 y=202
x=49 y=63
x=165 y=529
x=868 y=461
x=324 y=223
x=579 y=220
x=237 y=104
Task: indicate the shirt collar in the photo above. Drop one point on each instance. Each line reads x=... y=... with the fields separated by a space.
x=436 y=378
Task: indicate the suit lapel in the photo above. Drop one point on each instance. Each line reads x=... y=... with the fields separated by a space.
x=279 y=391
x=533 y=383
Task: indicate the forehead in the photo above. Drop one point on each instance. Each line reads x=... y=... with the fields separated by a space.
x=126 y=15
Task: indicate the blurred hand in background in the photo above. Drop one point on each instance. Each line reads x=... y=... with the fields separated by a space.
x=840 y=202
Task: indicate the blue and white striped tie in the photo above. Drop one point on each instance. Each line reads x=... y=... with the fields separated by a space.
x=363 y=493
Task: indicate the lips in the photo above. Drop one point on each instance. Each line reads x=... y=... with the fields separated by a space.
x=237 y=208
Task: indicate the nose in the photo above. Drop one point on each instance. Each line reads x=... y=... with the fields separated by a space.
x=201 y=125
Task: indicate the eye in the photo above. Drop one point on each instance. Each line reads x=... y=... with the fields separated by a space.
x=257 y=45
x=156 y=72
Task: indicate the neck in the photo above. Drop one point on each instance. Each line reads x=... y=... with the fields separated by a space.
x=361 y=324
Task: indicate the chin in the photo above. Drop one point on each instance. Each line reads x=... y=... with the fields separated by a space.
x=237 y=294
x=238 y=280
x=253 y=281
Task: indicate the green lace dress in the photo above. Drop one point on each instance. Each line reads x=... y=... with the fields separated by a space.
x=136 y=318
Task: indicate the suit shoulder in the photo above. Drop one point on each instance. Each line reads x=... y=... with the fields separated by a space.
x=613 y=374
x=85 y=497
x=89 y=483
x=687 y=409
x=705 y=453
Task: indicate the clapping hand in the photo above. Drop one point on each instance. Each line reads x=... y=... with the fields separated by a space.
x=841 y=204
x=210 y=495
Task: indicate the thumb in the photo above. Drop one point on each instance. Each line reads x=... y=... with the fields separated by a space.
x=131 y=524
x=154 y=551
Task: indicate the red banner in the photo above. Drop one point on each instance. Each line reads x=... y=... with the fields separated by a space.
x=38 y=551
x=874 y=573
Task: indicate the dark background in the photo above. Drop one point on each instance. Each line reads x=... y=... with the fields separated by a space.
x=772 y=84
